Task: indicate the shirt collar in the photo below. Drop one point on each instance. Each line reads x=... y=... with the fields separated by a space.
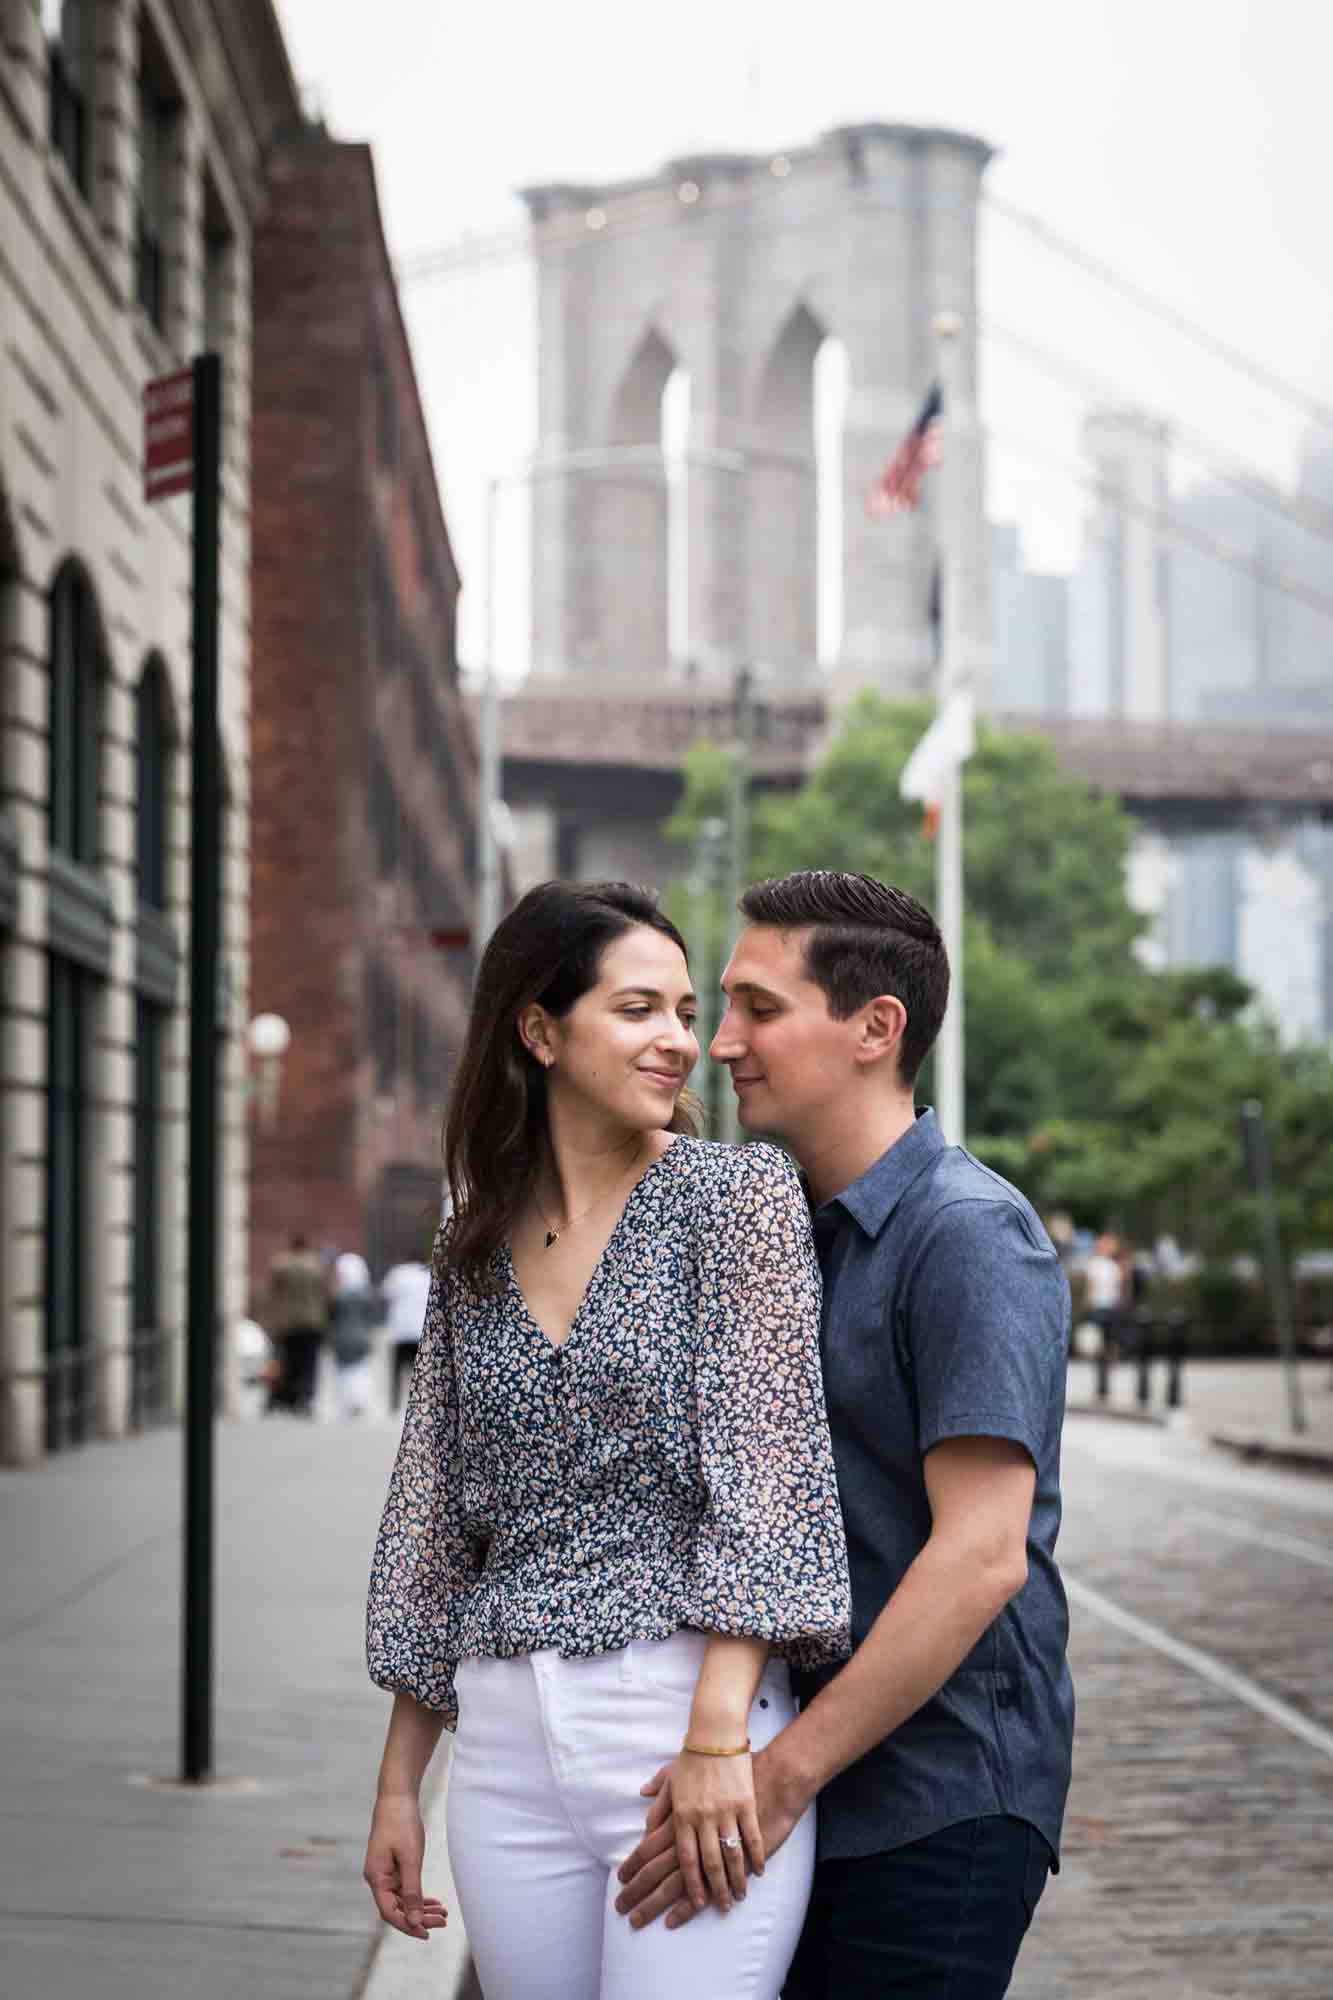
x=871 y=1200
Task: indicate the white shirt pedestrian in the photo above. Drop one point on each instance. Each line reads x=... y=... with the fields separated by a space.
x=405 y=1289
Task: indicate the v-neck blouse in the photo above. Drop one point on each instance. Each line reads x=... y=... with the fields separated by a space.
x=669 y=1465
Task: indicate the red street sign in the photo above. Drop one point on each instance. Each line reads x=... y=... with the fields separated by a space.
x=168 y=435
x=447 y=940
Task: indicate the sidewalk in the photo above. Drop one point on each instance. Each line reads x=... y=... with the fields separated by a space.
x=1239 y=1404
x=112 y=1886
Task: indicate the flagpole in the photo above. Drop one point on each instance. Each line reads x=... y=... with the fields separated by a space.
x=950 y=1091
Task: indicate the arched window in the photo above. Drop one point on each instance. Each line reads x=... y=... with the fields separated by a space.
x=788 y=501
x=153 y=746
x=76 y=662
x=632 y=513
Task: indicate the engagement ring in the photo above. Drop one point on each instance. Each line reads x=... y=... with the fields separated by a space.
x=731 y=1840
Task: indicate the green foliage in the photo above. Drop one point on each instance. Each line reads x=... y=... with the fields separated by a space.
x=1094 y=1084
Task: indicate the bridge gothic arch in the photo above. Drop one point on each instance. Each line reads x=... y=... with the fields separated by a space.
x=741 y=268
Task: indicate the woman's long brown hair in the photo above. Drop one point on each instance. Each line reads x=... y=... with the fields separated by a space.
x=548 y=950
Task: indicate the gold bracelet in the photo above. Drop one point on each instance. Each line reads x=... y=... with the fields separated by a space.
x=711 y=1750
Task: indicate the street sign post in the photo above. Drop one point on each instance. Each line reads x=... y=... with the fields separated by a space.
x=168 y=435
x=182 y=453
x=1259 y=1171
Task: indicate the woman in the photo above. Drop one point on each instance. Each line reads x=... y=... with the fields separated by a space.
x=613 y=1521
x=354 y=1314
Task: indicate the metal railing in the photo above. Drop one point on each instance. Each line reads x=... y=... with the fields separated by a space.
x=72 y=1387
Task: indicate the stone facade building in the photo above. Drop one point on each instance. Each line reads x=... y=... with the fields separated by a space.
x=365 y=778
x=133 y=135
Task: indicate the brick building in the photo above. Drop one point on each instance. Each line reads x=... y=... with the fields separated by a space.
x=365 y=777
x=133 y=136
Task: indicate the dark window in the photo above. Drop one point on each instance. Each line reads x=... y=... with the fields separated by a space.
x=382 y=812
x=153 y=756
x=381 y=1007
x=388 y=639
x=75 y=650
x=151 y=203
x=219 y=249
x=159 y=104
x=148 y=1387
x=71 y=49
x=67 y=1213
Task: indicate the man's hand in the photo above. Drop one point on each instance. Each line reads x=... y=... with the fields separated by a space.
x=653 y=1883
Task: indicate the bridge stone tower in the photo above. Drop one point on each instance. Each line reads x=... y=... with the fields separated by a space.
x=736 y=269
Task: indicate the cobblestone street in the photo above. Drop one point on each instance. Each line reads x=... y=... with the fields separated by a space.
x=1196 y=1859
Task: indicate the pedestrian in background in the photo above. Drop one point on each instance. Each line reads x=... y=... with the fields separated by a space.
x=298 y=1311
x=1104 y=1291
x=404 y=1289
x=354 y=1314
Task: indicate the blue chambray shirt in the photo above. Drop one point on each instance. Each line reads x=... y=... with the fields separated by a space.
x=946 y=1314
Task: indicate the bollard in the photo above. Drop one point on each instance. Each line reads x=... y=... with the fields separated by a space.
x=1176 y=1325
x=1143 y=1324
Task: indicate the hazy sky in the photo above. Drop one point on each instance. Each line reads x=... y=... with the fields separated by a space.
x=1182 y=141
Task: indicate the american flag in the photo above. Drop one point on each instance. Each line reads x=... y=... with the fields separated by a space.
x=898 y=488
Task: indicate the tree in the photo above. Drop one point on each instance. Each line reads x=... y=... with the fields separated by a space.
x=1050 y=927
x=1094 y=1083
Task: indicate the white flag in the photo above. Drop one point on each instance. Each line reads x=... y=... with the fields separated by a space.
x=950 y=740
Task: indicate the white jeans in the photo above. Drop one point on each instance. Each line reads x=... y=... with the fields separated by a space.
x=544 y=1805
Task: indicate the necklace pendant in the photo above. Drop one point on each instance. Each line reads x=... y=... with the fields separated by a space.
x=552 y=1236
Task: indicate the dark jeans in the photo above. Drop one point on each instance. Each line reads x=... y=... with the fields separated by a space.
x=404 y=1355
x=299 y=1354
x=939 y=1919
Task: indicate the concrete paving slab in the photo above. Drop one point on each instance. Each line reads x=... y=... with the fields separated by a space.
x=109 y=1885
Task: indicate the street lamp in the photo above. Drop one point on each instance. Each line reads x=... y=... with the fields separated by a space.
x=269 y=1038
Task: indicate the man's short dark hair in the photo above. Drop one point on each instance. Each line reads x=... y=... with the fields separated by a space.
x=865 y=939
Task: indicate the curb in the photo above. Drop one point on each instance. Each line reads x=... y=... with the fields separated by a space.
x=1276 y=1448
x=401 y=1968
x=1125 y=1413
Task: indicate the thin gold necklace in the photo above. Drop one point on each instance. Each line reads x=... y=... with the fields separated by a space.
x=554 y=1235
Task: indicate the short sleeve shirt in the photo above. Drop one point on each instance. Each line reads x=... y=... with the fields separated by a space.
x=946 y=1315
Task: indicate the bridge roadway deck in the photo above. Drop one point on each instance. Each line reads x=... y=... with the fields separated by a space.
x=550 y=727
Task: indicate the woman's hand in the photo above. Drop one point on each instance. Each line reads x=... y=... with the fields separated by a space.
x=717 y=1826
x=394 y=1856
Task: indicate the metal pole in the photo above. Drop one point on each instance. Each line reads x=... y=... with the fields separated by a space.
x=700 y=942
x=950 y=1082
x=197 y=1635
x=1259 y=1166
x=488 y=790
x=738 y=848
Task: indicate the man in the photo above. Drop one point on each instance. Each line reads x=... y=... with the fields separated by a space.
x=940 y=1752
x=298 y=1313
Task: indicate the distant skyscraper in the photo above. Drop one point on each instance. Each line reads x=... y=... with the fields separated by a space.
x=1118 y=630
x=1205 y=608
x=1031 y=632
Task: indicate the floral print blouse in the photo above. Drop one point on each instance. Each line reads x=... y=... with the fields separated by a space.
x=669 y=1466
